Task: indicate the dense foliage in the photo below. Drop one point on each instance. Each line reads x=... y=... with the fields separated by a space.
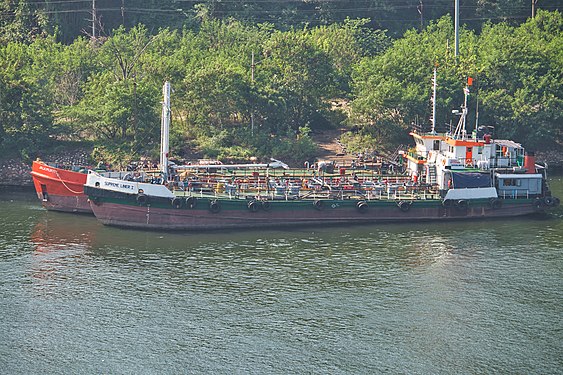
x=73 y=17
x=56 y=86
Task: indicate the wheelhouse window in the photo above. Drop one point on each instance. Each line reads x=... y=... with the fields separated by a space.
x=512 y=182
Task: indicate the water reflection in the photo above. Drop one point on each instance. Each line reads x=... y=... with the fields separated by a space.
x=58 y=230
x=60 y=247
x=260 y=264
x=314 y=259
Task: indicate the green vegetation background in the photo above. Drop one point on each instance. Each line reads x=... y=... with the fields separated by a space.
x=318 y=65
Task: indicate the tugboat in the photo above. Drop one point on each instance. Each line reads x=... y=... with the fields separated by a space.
x=464 y=178
x=61 y=188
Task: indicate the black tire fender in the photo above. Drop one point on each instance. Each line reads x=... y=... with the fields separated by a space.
x=461 y=205
x=191 y=202
x=176 y=203
x=362 y=206
x=266 y=206
x=404 y=206
x=214 y=206
x=142 y=199
x=252 y=206
x=495 y=203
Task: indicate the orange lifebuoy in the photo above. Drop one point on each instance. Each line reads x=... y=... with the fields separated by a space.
x=468 y=161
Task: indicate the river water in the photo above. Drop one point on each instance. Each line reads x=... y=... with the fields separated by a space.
x=451 y=298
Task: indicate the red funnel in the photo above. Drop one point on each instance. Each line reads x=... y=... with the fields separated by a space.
x=530 y=162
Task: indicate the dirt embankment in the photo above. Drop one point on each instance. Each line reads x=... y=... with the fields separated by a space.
x=330 y=147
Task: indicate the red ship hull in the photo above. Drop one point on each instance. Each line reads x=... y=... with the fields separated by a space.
x=60 y=189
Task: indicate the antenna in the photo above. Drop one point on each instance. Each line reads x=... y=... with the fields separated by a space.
x=123 y=12
x=477 y=115
x=420 y=8
x=94 y=20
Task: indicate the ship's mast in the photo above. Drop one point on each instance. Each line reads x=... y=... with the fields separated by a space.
x=433 y=119
x=456 y=28
x=165 y=130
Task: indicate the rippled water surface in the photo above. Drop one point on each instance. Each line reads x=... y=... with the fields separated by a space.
x=450 y=298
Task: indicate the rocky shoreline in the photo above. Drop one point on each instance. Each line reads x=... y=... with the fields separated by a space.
x=16 y=172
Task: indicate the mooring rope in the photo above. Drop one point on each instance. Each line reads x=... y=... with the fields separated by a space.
x=65 y=185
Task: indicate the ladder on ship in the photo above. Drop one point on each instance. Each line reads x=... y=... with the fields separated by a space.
x=395 y=156
x=432 y=174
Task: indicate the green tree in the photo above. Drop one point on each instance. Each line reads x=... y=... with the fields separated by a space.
x=522 y=80
x=297 y=77
x=120 y=100
x=392 y=90
x=19 y=23
x=25 y=100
